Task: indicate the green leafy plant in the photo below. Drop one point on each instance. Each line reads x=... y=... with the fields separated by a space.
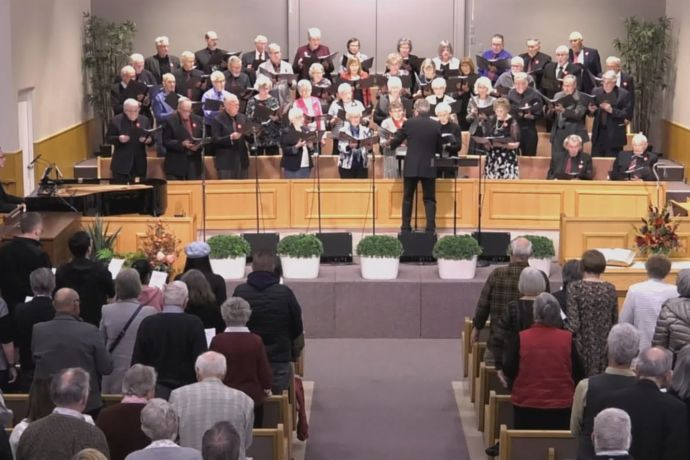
x=228 y=246
x=456 y=247
x=102 y=239
x=542 y=247
x=380 y=246
x=646 y=54
x=302 y=245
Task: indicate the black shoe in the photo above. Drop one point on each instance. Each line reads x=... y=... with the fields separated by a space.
x=493 y=450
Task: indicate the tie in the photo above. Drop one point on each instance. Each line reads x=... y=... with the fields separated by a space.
x=569 y=165
x=633 y=164
x=188 y=126
x=559 y=74
x=219 y=96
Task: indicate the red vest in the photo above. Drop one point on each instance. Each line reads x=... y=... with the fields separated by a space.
x=544 y=379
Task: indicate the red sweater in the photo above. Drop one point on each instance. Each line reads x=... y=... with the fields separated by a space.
x=248 y=368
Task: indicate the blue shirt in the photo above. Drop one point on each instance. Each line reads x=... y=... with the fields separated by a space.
x=212 y=94
x=161 y=109
x=489 y=54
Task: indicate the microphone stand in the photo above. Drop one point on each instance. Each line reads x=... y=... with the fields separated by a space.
x=658 y=191
x=480 y=262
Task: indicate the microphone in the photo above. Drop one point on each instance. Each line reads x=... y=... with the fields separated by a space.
x=31 y=165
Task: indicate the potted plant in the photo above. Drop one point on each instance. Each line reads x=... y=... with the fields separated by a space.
x=379 y=257
x=542 y=253
x=457 y=257
x=102 y=240
x=229 y=255
x=300 y=256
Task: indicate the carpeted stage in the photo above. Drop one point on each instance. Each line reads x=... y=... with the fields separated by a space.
x=418 y=304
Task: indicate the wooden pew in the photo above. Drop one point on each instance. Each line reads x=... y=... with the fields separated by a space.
x=278 y=412
x=19 y=404
x=268 y=444
x=487 y=381
x=499 y=412
x=536 y=445
x=466 y=336
x=476 y=358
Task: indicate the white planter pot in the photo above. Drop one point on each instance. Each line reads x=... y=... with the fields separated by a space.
x=300 y=267
x=231 y=268
x=379 y=268
x=541 y=264
x=457 y=269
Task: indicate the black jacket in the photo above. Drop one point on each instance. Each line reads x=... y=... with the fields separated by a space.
x=622 y=164
x=38 y=310
x=18 y=258
x=614 y=129
x=581 y=163
x=177 y=157
x=550 y=85
x=451 y=136
x=153 y=65
x=94 y=283
x=592 y=63
x=292 y=156
x=184 y=86
x=276 y=314
x=202 y=58
x=226 y=150
x=536 y=65
x=424 y=140
x=8 y=202
x=130 y=157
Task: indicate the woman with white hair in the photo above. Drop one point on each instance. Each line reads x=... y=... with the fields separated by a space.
x=321 y=87
x=354 y=158
x=389 y=127
x=438 y=87
x=479 y=109
x=445 y=60
x=338 y=108
x=394 y=93
x=394 y=68
x=263 y=108
x=451 y=137
x=309 y=105
x=297 y=152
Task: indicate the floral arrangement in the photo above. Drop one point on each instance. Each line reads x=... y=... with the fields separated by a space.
x=657 y=234
x=160 y=246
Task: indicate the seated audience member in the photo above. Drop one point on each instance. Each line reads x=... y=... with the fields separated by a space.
x=197 y=258
x=183 y=159
x=635 y=165
x=276 y=317
x=8 y=369
x=162 y=62
x=576 y=164
x=67 y=341
x=149 y=295
x=543 y=369
x=644 y=300
x=496 y=52
x=245 y=354
x=221 y=442
x=571 y=272
x=612 y=435
x=160 y=422
x=231 y=154
x=306 y=54
x=680 y=381
x=119 y=326
x=592 y=312
x=19 y=257
x=622 y=345
x=659 y=420
x=26 y=315
x=121 y=422
x=202 y=404
x=8 y=203
x=203 y=58
x=90 y=278
x=588 y=60
x=125 y=133
x=202 y=303
x=170 y=341
x=297 y=153
x=527 y=107
x=672 y=330
x=354 y=159
x=568 y=119
x=64 y=432
x=610 y=110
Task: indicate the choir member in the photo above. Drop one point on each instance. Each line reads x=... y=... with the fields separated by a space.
x=410 y=62
x=320 y=86
x=479 y=109
x=445 y=60
x=297 y=153
x=183 y=158
x=496 y=52
x=236 y=81
x=438 y=86
x=451 y=138
x=268 y=139
x=353 y=162
x=353 y=51
x=527 y=108
x=394 y=93
x=575 y=165
x=126 y=132
x=274 y=66
x=188 y=79
x=556 y=71
x=355 y=74
x=504 y=83
x=309 y=105
x=635 y=165
x=142 y=75
x=118 y=90
x=394 y=68
x=427 y=74
x=623 y=80
x=390 y=126
x=344 y=103
x=535 y=60
x=311 y=52
x=162 y=109
x=587 y=58
x=203 y=57
x=162 y=62
x=502 y=159
x=252 y=59
x=8 y=203
x=231 y=157
x=466 y=90
x=610 y=109
x=568 y=119
x=217 y=93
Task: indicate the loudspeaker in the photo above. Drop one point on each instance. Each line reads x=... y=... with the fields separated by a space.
x=417 y=246
x=337 y=247
x=494 y=245
x=261 y=242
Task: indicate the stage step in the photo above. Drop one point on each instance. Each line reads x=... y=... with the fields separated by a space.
x=87 y=169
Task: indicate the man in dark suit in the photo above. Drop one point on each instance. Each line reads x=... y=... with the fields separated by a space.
x=535 y=60
x=310 y=53
x=67 y=341
x=612 y=435
x=119 y=90
x=659 y=420
x=161 y=62
x=576 y=164
x=640 y=161
x=568 y=119
x=183 y=155
x=231 y=154
x=555 y=71
x=127 y=133
x=623 y=80
x=424 y=142
x=610 y=109
x=587 y=58
x=252 y=59
x=203 y=57
x=8 y=203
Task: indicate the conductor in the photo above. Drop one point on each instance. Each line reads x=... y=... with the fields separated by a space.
x=424 y=141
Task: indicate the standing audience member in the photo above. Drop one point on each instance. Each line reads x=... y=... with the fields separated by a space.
x=121 y=422
x=245 y=354
x=612 y=435
x=592 y=312
x=67 y=341
x=680 y=381
x=659 y=421
x=590 y=394
x=672 y=329
x=63 y=433
x=119 y=326
x=197 y=257
x=90 y=278
x=644 y=300
x=202 y=302
x=276 y=317
x=571 y=272
x=170 y=341
x=159 y=422
x=8 y=366
x=221 y=442
x=149 y=295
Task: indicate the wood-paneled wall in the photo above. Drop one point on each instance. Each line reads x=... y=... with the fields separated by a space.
x=676 y=143
x=65 y=148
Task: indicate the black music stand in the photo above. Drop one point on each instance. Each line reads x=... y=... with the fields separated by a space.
x=203 y=140
x=455 y=163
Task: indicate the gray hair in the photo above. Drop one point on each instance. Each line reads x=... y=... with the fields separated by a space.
x=531 y=282
x=162 y=40
x=654 y=362
x=211 y=364
x=521 y=248
x=303 y=84
x=42 y=282
x=683 y=283
x=442 y=107
x=235 y=311
x=680 y=382
x=547 y=310
x=570 y=79
x=127 y=284
x=136 y=57
x=517 y=60
x=611 y=430
x=609 y=75
x=220 y=442
x=314 y=33
x=295 y=113
x=131 y=104
x=623 y=343
x=394 y=82
x=159 y=420
x=572 y=139
x=69 y=386
x=639 y=138
x=139 y=380
x=520 y=76
x=175 y=293
x=422 y=106
x=438 y=82
x=613 y=60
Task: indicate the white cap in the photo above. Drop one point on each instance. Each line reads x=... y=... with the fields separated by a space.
x=575 y=36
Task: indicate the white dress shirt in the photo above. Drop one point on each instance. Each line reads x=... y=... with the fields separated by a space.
x=642 y=305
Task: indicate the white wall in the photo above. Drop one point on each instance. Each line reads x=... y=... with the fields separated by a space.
x=8 y=95
x=678 y=109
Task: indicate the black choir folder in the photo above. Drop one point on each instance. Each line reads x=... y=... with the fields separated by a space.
x=618 y=257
